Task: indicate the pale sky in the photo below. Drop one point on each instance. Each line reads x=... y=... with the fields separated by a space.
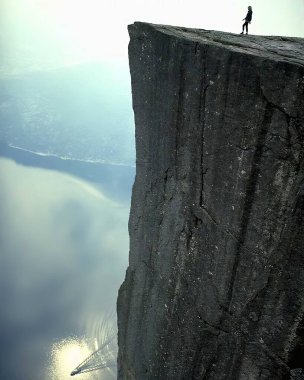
x=38 y=34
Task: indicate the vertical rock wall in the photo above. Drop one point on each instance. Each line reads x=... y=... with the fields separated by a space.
x=215 y=284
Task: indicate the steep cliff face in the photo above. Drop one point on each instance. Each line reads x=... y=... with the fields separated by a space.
x=215 y=284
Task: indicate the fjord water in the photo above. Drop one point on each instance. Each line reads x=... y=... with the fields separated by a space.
x=63 y=236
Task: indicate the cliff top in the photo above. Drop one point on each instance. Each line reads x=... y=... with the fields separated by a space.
x=287 y=49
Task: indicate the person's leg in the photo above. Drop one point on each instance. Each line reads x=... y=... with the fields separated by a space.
x=243 y=27
x=246 y=24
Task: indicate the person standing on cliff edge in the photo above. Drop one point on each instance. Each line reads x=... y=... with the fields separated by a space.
x=247 y=19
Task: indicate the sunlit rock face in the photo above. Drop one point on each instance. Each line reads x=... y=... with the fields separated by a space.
x=215 y=284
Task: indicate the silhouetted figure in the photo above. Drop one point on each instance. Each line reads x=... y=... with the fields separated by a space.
x=247 y=19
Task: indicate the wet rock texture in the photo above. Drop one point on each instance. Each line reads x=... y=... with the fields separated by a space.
x=215 y=284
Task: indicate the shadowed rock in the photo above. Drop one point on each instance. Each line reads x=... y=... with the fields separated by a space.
x=215 y=284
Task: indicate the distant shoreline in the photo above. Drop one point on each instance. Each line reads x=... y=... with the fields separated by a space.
x=115 y=179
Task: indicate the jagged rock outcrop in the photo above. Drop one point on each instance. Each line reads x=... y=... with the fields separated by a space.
x=215 y=284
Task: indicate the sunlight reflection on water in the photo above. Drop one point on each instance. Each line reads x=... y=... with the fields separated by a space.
x=66 y=355
x=63 y=255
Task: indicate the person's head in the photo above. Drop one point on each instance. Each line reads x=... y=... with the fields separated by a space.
x=250 y=8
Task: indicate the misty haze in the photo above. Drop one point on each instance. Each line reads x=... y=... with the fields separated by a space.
x=66 y=168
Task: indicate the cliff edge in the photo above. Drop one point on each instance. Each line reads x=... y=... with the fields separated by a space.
x=215 y=284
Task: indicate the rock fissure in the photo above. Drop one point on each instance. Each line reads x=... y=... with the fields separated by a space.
x=180 y=110
x=201 y=118
x=250 y=194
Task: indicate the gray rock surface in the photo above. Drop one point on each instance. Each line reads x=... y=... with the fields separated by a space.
x=215 y=284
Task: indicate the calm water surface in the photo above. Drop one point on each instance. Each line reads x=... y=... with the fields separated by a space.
x=64 y=251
